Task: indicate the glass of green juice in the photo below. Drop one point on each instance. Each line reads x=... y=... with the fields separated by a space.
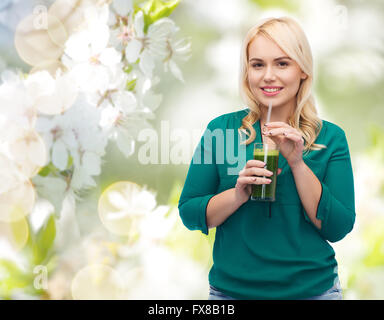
x=266 y=192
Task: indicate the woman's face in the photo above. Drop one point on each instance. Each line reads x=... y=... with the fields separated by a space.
x=272 y=75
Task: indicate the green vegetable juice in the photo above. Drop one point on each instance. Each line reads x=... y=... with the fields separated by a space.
x=272 y=165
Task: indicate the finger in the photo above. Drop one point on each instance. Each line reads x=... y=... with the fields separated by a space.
x=241 y=181
x=261 y=180
x=257 y=172
x=254 y=163
x=277 y=131
x=279 y=171
x=295 y=137
x=277 y=124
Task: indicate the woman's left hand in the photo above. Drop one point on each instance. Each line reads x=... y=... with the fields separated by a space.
x=288 y=139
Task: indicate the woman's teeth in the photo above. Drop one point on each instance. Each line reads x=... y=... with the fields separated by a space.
x=271 y=90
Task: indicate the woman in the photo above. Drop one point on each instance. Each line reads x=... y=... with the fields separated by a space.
x=273 y=250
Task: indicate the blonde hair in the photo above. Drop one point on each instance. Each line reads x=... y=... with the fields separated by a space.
x=290 y=37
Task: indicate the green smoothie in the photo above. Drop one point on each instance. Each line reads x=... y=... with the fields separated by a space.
x=272 y=165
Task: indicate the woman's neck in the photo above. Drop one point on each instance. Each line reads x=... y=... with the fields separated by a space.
x=278 y=114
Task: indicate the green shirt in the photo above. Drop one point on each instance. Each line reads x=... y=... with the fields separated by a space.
x=270 y=250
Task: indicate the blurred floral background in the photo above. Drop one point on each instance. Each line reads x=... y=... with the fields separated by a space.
x=85 y=212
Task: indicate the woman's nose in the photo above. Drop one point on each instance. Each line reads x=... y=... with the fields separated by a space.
x=269 y=74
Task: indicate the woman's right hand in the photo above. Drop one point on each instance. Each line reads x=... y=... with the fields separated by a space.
x=253 y=173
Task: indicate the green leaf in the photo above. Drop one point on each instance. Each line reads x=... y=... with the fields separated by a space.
x=138 y=2
x=52 y=263
x=20 y=229
x=12 y=277
x=131 y=85
x=44 y=241
x=44 y=171
x=128 y=68
x=156 y=9
x=51 y=168
x=8 y=268
x=70 y=161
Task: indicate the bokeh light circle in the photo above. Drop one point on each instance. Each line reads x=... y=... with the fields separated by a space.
x=71 y=13
x=15 y=233
x=122 y=205
x=17 y=202
x=52 y=66
x=37 y=43
x=29 y=152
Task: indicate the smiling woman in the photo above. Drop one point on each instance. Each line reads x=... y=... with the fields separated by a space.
x=276 y=62
x=278 y=249
x=273 y=75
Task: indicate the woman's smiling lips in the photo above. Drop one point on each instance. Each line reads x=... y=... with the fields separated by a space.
x=271 y=91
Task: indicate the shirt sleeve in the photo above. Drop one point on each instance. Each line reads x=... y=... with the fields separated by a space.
x=336 y=208
x=201 y=183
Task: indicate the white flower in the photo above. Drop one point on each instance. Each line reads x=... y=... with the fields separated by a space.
x=148 y=101
x=16 y=104
x=151 y=46
x=40 y=83
x=115 y=106
x=59 y=138
x=115 y=94
x=86 y=165
x=120 y=36
x=52 y=96
x=10 y=176
x=52 y=189
x=96 y=14
x=92 y=63
x=125 y=141
x=131 y=200
x=122 y=205
x=155 y=225
x=180 y=50
x=78 y=134
x=109 y=116
x=28 y=152
x=122 y=115
x=17 y=201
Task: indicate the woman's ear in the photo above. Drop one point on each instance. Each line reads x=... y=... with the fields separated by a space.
x=303 y=76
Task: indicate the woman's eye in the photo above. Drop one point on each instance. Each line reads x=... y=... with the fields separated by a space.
x=260 y=65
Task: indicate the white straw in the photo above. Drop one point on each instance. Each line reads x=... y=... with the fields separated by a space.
x=266 y=148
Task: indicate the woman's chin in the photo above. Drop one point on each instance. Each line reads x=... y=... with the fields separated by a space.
x=275 y=103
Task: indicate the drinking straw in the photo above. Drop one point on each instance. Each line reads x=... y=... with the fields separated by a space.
x=266 y=148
